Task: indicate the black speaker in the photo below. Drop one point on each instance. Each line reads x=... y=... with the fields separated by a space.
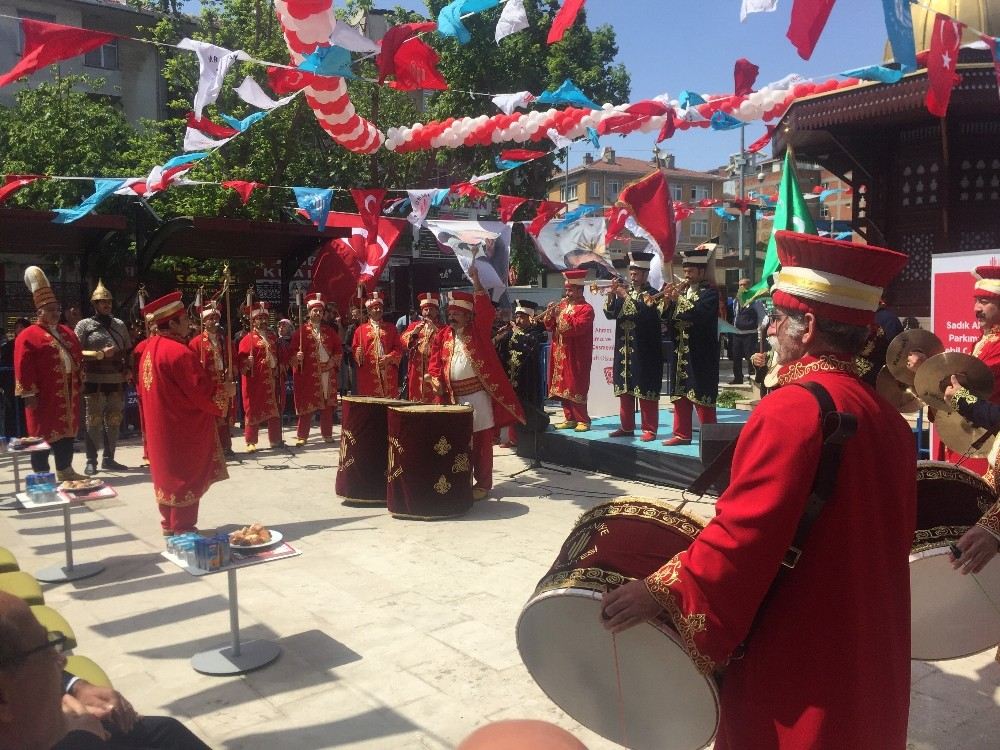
x=714 y=439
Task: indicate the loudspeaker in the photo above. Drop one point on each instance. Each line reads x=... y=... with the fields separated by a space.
x=714 y=439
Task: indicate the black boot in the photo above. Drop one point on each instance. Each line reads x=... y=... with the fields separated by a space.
x=91 y=468
x=108 y=463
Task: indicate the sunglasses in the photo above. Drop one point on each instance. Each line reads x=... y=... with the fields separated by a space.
x=55 y=641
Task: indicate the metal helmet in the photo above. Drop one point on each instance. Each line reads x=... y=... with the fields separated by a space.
x=101 y=293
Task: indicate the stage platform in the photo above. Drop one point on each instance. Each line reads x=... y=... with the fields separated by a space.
x=628 y=458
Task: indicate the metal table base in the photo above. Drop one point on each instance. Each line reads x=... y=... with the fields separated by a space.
x=69 y=571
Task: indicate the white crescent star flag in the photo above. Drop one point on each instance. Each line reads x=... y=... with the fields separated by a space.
x=514 y=18
x=213 y=63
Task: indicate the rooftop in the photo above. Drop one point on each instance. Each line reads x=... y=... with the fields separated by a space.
x=625 y=164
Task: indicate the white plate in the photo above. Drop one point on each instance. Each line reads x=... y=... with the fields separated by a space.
x=276 y=537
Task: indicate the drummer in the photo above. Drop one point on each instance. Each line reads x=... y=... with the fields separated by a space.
x=825 y=655
x=465 y=369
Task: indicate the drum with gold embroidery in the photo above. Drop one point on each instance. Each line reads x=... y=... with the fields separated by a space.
x=429 y=475
x=361 y=472
x=952 y=615
x=638 y=688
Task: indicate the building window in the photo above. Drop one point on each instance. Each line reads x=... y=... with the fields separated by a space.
x=34 y=16
x=571 y=191
x=700 y=192
x=614 y=187
x=825 y=211
x=699 y=228
x=595 y=188
x=676 y=193
x=105 y=57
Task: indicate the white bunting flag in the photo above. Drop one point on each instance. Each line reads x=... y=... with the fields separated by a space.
x=346 y=36
x=251 y=92
x=514 y=18
x=509 y=102
x=213 y=62
x=757 y=6
x=420 y=204
x=195 y=140
x=560 y=141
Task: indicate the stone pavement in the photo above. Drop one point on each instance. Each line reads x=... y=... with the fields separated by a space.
x=395 y=634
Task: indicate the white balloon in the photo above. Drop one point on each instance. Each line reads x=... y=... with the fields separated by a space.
x=390 y=143
x=496 y=136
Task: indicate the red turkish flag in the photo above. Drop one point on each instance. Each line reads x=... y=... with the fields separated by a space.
x=509 y=205
x=808 y=19
x=616 y=217
x=744 y=76
x=669 y=126
x=682 y=211
x=467 y=190
x=287 y=80
x=521 y=154
x=14 y=182
x=206 y=126
x=341 y=265
x=48 y=43
x=648 y=200
x=385 y=60
x=369 y=203
x=415 y=66
x=546 y=212
x=243 y=187
x=564 y=19
x=942 y=62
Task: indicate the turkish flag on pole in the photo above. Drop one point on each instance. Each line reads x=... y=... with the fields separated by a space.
x=808 y=19
x=941 y=63
x=564 y=19
x=341 y=265
x=616 y=217
x=369 y=203
x=385 y=60
x=648 y=200
x=49 y=43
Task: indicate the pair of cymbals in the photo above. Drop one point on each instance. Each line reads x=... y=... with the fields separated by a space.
x=896 y=393
x=961 y=435
x=934 y=375
x=914 y=340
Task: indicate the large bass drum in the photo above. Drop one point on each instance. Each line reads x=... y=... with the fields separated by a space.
x=364 y=460
x=952 y=615
x=638 y=688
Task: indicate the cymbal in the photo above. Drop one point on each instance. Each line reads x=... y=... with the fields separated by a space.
x=915 y=339
x=934 y=376
x=896 y=393
x=959 y=434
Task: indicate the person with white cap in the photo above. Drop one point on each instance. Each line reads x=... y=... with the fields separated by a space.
x=315 y=366
x=47 y=369
x=377 y=352
x=418 y=338
x=819 y=658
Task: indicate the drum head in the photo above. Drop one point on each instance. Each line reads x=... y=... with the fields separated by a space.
x=664 y=702
x=952 y=615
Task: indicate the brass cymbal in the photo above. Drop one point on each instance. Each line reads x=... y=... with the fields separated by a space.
x=934 y=376
x=959 y=434
x=913 y=340
x=896 y=393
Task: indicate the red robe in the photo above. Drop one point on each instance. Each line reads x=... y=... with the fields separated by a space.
x=214 y=357
x=988 y=350
x=261 y=353
x=827 y=666
x=506 y=405
x=572 y=351
x=381 y=381
x=40 y=369
x=181 y=404
x=418 y=338
x=306 y=378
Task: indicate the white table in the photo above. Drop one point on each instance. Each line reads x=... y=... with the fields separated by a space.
x=15 y=456
x=70 y=571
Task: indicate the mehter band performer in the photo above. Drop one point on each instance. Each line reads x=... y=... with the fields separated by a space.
x=638 y=363
x=377 y=352
x=822 y=660
x=214 y=354
x=181 y=404
x=47 y=365
x=260 y=359
x=465 y=369
x=694 y=315
x=317 y=357
x=418 y=338
x=518 y=348
x=571 y=353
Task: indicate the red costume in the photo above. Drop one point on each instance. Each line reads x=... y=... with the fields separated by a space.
x=315 y=380
x=181 y=405
x=260 y=360
x=214 y=355
x=48 y=364
x=570 y=356
x=137 y=351
x=465 y=369
x=371 y=342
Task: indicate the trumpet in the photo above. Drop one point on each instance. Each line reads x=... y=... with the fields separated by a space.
x=549 y=309
x=673 y=289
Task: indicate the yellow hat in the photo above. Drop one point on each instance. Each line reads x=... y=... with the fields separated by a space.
x=101 y=292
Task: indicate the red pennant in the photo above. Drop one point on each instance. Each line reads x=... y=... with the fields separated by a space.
x=669 y=126
x=546 y=212
x=682 y=211
x=416 y=67
x=742 y=204
x=48 y=43
x=385 y=60
x=649 y=202
x=288 y=81
x=707 y=202
x=243 y=188
x=564 y=19
x=14 y=182
x=509 y=205
x=647 y=108
x=521 y=154
x=467 y=190
x=210 y=128
x=942 y=62
x=616 y=217
x=744 y=77
x=808 y=19
x=757 y=145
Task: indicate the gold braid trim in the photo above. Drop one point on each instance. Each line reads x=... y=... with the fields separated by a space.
x=658 y=584
x=825 y=363
x=990 y=520
x=963 y=395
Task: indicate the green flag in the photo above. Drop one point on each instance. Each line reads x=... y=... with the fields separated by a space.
x=792 y=214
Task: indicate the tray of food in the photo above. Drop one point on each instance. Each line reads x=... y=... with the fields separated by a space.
x=254 y=536
x=81 y=485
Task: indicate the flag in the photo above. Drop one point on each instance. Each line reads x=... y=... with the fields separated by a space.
x=102 y=189
x=757 y=6
x=757 y=145
x=669 y=126
x=942 y=62
x=682 y=211
x=564 y=19
x=513 y=18
x=569 y=246
x=209 y=128
x=617 y=217
x=369 y=203
x=899 y=28
x=879 y=73
x=246 y=122
x=449 y=20
x=521 y=154
x=649 y=202
x=251 y=92
x=506 y=164
x=507 y=103
x=415 y=67
x=578 y=213
x=14 y=182
x=49 y=43
x=808 y=19
x=509 y=205
x=346 y=36
x=722 y=121
x=342 y=264
x=744 y=77
x=420 y=205
x=328 y=61
x=213 y=63
x=196 y=140
x=567 y=93
x=791 y=214
x=385 y=61
x=594 y=137
x=315 y=202
x=483 y=243
x=288 y=80
x=546 y=212
x=243 y=188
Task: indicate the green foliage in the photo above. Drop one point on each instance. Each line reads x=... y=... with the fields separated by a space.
x=728 y=397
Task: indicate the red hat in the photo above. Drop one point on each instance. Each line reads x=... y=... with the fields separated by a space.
x=255 y=311
x=576 y=276
x=987 y=282
x=315 y=300
x=429 y=298
x=375 y=299
x=164 y=309
x=462 y=301
x=832 y=279
x=210 y=309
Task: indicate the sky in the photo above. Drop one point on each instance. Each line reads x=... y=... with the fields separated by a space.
x=671 y=45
